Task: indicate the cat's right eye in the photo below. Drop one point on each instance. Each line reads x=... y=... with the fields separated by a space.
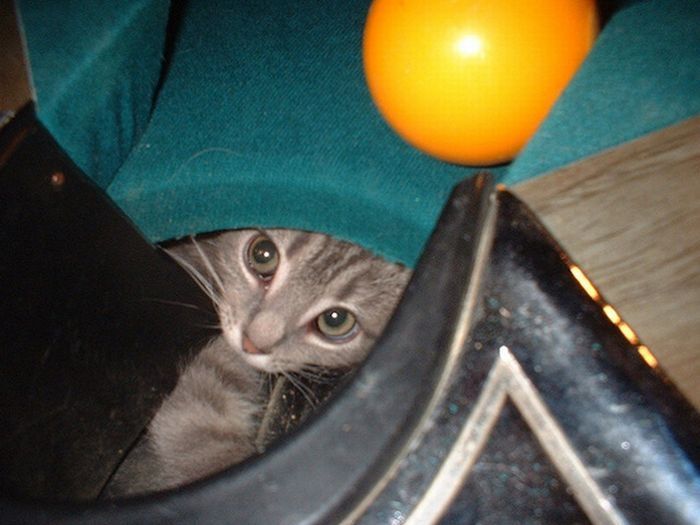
x=336 y=324
x=263 y=257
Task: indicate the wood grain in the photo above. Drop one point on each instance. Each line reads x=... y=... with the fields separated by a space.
x=630 y=217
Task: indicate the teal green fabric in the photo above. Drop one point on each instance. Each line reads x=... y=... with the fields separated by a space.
x=264 y=119
x=642 y=75
x=95 y=66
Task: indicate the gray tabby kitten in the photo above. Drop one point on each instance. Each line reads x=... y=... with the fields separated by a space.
x=288 y=302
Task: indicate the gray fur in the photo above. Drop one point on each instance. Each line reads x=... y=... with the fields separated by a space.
x=210 y=419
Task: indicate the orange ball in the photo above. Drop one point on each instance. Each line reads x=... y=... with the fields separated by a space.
x=469 y=81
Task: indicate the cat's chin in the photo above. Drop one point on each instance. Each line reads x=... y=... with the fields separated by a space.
x=263 y=363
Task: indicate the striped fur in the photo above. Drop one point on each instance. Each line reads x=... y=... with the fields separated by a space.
x=210 y=420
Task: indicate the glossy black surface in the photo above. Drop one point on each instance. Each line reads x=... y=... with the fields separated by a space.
x=499 y=378
x=326 y=468
x=629 y=428
x=514 y=481
x=634 y=432
x=93 y=321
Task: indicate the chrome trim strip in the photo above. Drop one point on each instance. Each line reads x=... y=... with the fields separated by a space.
x=508 y=380
x=455 y=351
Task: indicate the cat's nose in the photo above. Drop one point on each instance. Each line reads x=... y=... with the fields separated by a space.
x=249 y=347
x=263 y=333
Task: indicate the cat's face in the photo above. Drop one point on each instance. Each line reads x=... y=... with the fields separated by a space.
x=289 y=300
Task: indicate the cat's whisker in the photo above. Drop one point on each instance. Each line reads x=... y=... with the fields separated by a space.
x=198 y=278
x=209 y=326
x=212 y=326
x=175 y=303
x=302 y=388
x=317 y=375
x=270 y=380
x=211 y=242
x=207 y=263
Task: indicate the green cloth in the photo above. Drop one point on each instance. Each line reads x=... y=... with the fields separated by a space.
x=264 y=119
x=95 y=66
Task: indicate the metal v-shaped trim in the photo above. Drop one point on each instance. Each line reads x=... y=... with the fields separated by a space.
x=508 y=380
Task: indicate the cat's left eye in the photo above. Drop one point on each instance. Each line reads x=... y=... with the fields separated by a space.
x=263 y=257
x=336 y=324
